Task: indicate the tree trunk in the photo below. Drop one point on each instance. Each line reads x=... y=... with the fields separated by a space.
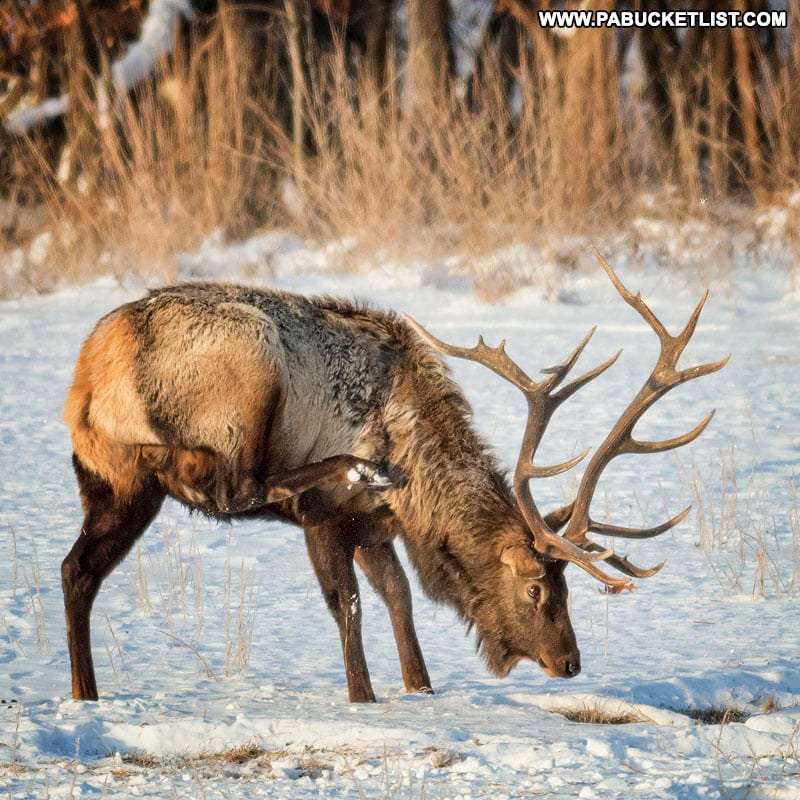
x=376 y=23
x=430 y=51
x=294 y=37
x=747 y=102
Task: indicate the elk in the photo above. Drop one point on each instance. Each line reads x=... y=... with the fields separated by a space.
x=344 y=419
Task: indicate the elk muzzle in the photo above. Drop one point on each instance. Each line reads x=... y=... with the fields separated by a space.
x=567 y=666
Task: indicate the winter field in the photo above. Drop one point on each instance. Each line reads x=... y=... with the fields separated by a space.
x=219 y=667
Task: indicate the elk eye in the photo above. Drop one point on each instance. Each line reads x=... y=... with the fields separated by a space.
x=535 y=593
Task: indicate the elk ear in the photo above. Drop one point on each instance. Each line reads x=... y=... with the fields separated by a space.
x=522 y=561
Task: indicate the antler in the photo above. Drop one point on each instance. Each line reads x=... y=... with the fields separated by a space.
x=665 y=376
x=543 y=400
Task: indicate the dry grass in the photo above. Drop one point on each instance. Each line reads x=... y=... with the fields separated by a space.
x=186 y=609
x=208 y=150
x=707 y=715
x=447 y=176
x=596 y=716
x=239 y=618
x=236 y=755
x=752 y=544
x=244 y=759
x=158 y=170
x=30 y=574
x=715 y=716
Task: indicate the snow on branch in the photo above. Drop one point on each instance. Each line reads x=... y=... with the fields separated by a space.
x=155 y=42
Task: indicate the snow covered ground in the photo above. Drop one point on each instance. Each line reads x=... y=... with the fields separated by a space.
x=219 y=667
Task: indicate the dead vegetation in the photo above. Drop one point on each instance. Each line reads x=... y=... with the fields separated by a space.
x=716 y=716
x=596 y=714
x=266 y=118
x=589 y=715
x=244 y=759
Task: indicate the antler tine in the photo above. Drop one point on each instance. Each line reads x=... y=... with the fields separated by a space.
x=542 y=406
x=623 y=565
x=637 y=533
x=542 y=403
x=591 y=551
x=672 y=346
x=635 y=301
x=664 y=377
x=628 y=568
x=637 y=446
x=556 y=520
x=495 y=358
x=565 y=366
x=527 y=470
x=578 y=383
x=620 y=563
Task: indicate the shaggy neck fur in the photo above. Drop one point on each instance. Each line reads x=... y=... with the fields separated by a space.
x=455 y=507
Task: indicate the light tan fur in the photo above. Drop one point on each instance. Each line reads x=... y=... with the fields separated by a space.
x=229 y=392
x=199 y=371
x=201 y=368
x=103 y=409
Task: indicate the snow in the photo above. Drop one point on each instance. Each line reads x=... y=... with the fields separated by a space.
x=154 y=42
x=213 y=639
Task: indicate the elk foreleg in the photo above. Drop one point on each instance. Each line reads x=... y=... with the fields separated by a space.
x=331 y=550
x=110 y=527
x=345 y=470
x=385 y=572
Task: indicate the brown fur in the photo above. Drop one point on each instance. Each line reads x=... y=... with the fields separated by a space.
x=184 y=474
x=231 y=400
x=104 y=411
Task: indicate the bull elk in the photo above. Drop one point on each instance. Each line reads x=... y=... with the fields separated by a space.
x=343 y=419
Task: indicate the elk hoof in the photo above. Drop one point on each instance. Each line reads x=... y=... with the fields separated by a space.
x=367 y=475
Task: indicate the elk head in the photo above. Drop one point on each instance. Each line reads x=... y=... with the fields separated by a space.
x=528 y=615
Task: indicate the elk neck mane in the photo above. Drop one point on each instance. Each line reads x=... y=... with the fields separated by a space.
x=455 y=502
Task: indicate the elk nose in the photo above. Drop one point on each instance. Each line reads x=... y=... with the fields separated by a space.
x=572 y=666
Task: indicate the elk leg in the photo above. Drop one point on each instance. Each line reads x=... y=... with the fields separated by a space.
x=342 y=469
x=110 y=527
x=385 y=572
x=331 y=554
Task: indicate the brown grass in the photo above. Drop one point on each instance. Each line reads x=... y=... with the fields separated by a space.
x=205 y=150
x=239 y=755
x=715 y=716
x=182 y=169
x=739 y=531
x=708 y=715
x=242 y=758
x=472 y=179
x=596 y=716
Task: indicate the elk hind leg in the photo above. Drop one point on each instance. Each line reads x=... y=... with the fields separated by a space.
x=342 y=469
x=387 y=576
x=331 y=555
x=111 y=525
